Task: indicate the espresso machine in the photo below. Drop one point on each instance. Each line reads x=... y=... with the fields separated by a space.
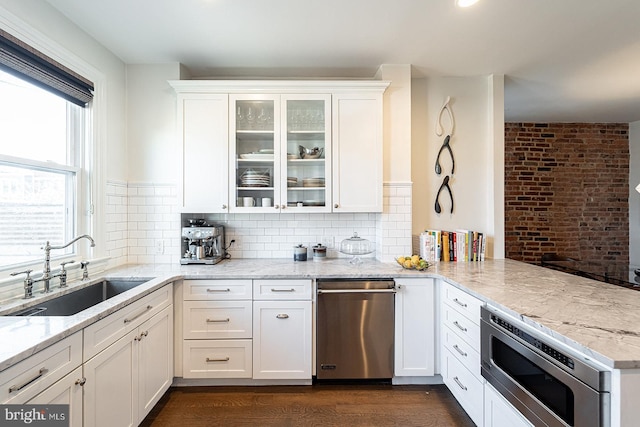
x=202 y=243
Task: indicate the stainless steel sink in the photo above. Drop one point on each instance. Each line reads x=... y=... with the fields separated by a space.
x=82 y=299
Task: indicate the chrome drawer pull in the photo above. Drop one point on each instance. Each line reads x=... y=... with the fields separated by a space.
x=462 y=353
x=460 y=303
x=149 y=307
x=81 y=381
x=40 y=373
x=282 y=290
x=218 y=290
x=462 y=386
x=282 y=316
x=227 y=320
x=222 y=359
x=459 y=326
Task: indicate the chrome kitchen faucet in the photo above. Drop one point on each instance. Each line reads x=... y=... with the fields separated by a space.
x=46 y=271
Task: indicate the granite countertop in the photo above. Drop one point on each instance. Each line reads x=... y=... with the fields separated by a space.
x=595 y=318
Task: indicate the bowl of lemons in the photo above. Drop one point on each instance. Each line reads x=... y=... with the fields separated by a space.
x=413 y=262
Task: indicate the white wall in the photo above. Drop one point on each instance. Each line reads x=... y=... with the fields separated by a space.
x=634 y=196
x=476 y=148
x=151 y=115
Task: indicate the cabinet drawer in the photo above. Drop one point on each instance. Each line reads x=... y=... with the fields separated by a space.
x=282 y=289
x=466 y=388
x=462 y=302
x=105 y=332
x=462 y=350
x=462 y=326
x=26 y=379
x=217 y=359
x=217 y=290
x=217 y=319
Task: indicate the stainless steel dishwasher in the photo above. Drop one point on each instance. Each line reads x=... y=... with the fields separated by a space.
x=355 y=329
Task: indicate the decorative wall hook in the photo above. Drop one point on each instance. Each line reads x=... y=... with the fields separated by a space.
x=445 y=184
x=446 y=145
x=446 y=107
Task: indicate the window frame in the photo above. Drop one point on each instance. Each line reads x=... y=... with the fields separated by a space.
x=91 y=197
x=72 y=191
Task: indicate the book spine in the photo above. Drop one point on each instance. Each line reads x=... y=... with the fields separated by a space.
x=445 y=246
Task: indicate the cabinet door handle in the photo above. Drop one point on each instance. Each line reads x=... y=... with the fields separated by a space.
x=149 y=307
x=218 y=290
x=276 y=206
x=462 y=386
x=142 y=335
x=462 y=353
x=459 y=326
x=282 y=290
x=460 y=303
x=227 y=320
x=220 y=359
x=82 y=381
x=336 y=206
x=40 y=373
x=224 y=206
x=282 y=316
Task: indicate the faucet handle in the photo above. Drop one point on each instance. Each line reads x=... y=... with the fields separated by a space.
x=63 y=273
x=62 y=264
x=27 y=272
x=28 y=283
x=85 y=271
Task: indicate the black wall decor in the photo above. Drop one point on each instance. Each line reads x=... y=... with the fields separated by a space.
x=446 y=108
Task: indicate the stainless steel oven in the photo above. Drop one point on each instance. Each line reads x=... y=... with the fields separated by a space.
x=548 y=384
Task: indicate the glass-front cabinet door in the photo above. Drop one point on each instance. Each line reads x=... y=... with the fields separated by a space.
x=306 y=153
x=254 y=152
x=280 y=153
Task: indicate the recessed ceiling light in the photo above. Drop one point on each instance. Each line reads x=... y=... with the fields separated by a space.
x=465 y=3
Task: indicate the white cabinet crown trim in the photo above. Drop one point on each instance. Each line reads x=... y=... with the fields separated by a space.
x=278 y=86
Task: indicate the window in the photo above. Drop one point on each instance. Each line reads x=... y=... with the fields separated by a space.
x=41 y=153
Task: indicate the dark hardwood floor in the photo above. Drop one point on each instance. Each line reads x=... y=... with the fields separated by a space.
x=317 y=405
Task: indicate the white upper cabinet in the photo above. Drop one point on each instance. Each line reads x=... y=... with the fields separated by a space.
x=204 y=132
x=281 y=146
x=357 y=146
x=254 y=155
x=306 y=152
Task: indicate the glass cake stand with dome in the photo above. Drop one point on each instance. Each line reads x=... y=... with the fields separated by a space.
x=356 y=247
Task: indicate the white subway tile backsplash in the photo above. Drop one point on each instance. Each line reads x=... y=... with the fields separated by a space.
x=138 y=215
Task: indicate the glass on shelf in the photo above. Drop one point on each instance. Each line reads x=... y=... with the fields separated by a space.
x=305 y=116
x=254 y=116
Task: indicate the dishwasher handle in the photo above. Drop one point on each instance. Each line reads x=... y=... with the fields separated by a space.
x=356 y=291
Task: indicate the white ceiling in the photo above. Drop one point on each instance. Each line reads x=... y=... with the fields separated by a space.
x=563 y=60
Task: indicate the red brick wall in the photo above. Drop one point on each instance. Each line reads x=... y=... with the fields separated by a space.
x=567 y=190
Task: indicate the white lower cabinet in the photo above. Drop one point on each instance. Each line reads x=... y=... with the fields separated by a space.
x=282 y=329
x=126 y=379
x=282 y=340
x=217 y=328
x=460 y=349
x=25 y=380
x=217 y=358
x=499 y=413
x=110 y=391
x=465 y=387
x=414 y=328
x=155 y=360
x=67 y=391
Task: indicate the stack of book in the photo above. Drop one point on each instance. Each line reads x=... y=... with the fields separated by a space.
x=457 y=246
